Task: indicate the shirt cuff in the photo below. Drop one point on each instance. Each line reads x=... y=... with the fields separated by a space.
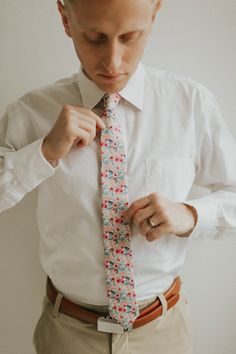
x=29 y=165
x=207 y=211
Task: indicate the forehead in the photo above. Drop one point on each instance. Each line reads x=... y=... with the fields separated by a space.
x=120 y=14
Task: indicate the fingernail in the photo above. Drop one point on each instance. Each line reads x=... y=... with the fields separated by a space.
x=125 y=220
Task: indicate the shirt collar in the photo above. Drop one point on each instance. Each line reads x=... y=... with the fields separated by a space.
x=133 y=92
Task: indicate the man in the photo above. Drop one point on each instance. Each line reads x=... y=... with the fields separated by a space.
x=57 y=139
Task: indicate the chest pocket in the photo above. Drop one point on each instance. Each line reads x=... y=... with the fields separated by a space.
x=172 y=178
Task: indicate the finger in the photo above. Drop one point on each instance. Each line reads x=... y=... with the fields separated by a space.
x=145 y=227
x=84 y=117
x=99 y=121
x=143 y=214
x=156 y=232
x=134 y=207
x=83 y=137
x=79 y=119
x=89 y=127
x=156 y=219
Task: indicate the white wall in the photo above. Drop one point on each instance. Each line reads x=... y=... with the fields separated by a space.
x=195 y=38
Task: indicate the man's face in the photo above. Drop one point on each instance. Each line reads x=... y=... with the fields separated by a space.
x=109 y=37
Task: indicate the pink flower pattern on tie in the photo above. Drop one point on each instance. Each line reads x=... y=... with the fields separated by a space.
x=116 y=235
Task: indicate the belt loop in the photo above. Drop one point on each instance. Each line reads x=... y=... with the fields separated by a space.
x=57 y=304
x=164 y=304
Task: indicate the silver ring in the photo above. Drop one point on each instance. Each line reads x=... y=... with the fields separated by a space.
x=151 y=223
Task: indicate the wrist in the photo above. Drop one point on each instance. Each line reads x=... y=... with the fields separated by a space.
x=47 y=155
x=194 y=215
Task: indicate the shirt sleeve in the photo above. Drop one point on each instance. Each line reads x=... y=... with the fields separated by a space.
x=21 y=170
x=215 y=170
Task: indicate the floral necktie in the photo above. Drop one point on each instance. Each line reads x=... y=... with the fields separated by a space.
x=116 y=235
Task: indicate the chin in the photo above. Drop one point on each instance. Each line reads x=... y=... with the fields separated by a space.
x=112 y=87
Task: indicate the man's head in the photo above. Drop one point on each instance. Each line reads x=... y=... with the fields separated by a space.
x=109 y=36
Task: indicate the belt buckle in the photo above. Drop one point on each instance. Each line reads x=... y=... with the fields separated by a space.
x=109 y=325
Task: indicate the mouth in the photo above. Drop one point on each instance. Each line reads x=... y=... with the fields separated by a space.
x=115 y=77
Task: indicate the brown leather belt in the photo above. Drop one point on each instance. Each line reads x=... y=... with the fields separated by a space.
x=146 y=315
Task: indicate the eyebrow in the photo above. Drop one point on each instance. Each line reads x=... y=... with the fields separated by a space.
x=91 y=29
x=95 y=29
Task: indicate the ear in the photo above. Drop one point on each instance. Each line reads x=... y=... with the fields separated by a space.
x=156 y=9
x=158 y=5
x=64 y=12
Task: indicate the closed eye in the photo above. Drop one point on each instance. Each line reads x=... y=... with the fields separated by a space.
x=97 y=38
x=100 y=38
x=131 y=37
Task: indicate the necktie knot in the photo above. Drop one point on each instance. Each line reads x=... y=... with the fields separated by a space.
x=111 y=101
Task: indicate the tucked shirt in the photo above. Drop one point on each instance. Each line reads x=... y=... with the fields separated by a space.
x=175 y=138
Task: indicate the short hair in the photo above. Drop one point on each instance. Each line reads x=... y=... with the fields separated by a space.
x=69 y=2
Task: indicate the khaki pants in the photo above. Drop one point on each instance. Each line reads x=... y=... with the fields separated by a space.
x=57 y=333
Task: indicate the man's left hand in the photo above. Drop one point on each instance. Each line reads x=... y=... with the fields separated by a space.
x=155 y=215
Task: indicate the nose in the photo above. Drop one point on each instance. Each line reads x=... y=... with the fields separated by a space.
x=112 y=57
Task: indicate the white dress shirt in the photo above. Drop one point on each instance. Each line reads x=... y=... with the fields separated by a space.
x=175 y=138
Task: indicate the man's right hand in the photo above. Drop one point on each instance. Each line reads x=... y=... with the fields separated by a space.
x=74 y=126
